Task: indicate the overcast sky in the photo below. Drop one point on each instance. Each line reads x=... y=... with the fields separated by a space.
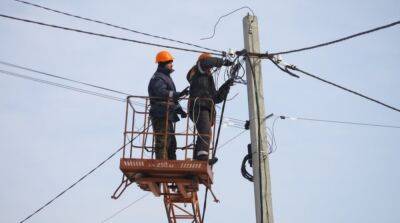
x=49 y=137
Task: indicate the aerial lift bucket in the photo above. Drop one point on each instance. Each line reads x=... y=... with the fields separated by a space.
x=176 y=180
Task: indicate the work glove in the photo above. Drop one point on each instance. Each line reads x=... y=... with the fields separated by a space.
x=227 y=84
x=184 y=92
x=228 y=63
x=225 y=87
x=181 y=112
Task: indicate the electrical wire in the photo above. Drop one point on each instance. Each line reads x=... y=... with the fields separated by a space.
x=126 y=207
x=80 y=90
x=245 y=173
x=233 y=97
x=284 y=69
x=340 y=122
x=115 y=26
x=107 y=36
x=236 y=126
x=274 y=145
x=239 y=121
x=343 y=88
x=70 y=80
x=268 y=136
x=206 y=193
x=229 y=122
x=219 y=19
x=60 y=77
x=338 y=40
x=80 y=179
x=231 y=139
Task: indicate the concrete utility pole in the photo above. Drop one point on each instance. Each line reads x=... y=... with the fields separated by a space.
x=262 y=181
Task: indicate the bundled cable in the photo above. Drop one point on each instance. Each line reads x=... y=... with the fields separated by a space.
x=248 y=158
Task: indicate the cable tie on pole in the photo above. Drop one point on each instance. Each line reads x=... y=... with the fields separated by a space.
x=247 y=125
x=250 y=155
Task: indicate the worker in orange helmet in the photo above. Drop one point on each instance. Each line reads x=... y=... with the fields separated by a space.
x=202 y=97
x=163 y=103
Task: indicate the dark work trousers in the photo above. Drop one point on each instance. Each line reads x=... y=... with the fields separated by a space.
x=202 y=120
x=165 y=147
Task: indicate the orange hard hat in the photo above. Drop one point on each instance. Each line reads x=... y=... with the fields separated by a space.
x=204 y=56
x=163 y=56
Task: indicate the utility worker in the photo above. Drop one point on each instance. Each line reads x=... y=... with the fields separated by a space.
x=164 y=103
x=202 y=97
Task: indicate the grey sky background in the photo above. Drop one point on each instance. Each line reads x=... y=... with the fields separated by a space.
x=49 y=137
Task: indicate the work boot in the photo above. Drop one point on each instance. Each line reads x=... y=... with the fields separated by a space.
x=212 y=161
x=202 y=157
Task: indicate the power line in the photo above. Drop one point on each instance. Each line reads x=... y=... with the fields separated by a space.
x=80 y=179
x=80 y=90
x=116 y=26
x=340 y=122
x=68 y=79
x=338 y=40
x=107 y=36
x=343 y=88
x=231 y=139
x=62 y=78
x=126 y=207
x=235 y=120
x=219 y=19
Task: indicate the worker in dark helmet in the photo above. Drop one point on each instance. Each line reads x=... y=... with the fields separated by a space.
x=164 y=103
x=202 y=97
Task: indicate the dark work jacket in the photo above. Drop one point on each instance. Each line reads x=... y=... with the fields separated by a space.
x=162 y=87
x=202 y=85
